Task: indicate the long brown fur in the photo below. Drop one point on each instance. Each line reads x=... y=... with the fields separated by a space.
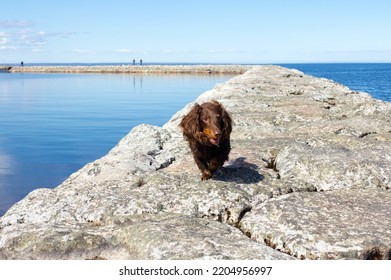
x=207 y=129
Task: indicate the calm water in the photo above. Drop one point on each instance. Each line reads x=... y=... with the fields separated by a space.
x=53 y=124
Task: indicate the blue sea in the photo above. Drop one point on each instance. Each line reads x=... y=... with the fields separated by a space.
x=53 y=124
x=374 y=78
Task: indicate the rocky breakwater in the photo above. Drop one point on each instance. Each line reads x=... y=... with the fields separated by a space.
x=154 y=69
x=309 y=177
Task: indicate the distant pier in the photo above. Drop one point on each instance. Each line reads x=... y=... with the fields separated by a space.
x=157 y=69
x=5 y=68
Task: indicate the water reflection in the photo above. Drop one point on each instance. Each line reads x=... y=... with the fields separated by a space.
x=6 y=170
x=5 y=165
x=137 y=82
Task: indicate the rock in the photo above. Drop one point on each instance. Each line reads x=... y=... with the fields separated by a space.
x=329 y=167
x=130 y=156
x=145 y=236
x=308 y=178
x=342 y=224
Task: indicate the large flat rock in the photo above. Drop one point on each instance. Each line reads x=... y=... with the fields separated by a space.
x=341 y=224
x=308 y=178
x=162 y=236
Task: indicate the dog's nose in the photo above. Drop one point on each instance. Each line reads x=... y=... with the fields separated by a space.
x=218 y=133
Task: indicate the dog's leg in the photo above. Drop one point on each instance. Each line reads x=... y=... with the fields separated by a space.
x=203 y=167
x=206 y=175
x=214 y=164
x=219 y=159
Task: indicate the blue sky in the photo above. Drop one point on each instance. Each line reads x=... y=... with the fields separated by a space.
x=215 y=31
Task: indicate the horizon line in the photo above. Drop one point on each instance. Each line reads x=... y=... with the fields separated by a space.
x=184 y=63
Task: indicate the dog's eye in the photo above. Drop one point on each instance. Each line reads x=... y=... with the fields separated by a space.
x=205 y=118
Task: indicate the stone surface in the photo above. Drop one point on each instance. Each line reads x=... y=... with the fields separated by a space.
x=144 y=236
x=308 y=178
x=341 y=224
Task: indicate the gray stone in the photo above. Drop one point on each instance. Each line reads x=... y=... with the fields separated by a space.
x=330 y=166
x=342 y=224
x=308 y=177
x=163 y=236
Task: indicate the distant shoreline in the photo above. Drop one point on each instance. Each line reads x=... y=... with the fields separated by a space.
x=163 y=69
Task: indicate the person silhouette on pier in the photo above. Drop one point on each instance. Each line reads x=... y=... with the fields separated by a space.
x=141 y=62
x=21 y=63
x=134 y=62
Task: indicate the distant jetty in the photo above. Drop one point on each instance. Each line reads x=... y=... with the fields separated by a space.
x=5 y=68
x=163 y=69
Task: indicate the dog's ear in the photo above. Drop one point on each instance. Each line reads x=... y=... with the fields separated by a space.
x=227 y=122
x=190 y=123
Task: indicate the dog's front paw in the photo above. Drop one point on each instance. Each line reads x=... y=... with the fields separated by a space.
x=206 y=175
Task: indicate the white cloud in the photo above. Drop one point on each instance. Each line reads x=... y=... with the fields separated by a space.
x=15 y=23
x=20 y=35
x=88 y=52
x=157 y=52
x=125 y=51
x=8 y=48
x=3 y=40
x=222 y=50
x=31 y=38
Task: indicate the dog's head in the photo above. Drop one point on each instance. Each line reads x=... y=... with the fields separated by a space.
x=208 y=123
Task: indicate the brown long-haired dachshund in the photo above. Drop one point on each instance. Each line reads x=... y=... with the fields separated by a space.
x=207 y=128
